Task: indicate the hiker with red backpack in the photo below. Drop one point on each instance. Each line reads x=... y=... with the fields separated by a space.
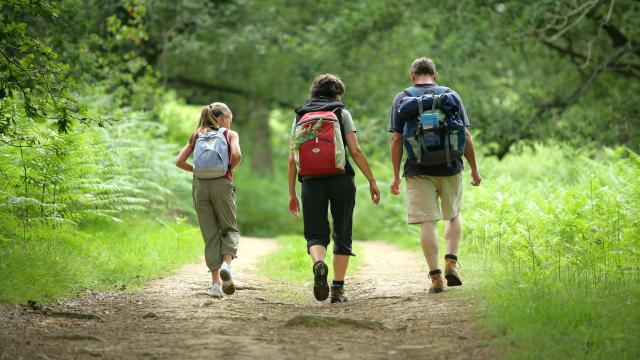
x=321 y=133
x=216 y=153
x=430 y=122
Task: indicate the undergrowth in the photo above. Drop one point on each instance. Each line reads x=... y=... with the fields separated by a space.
x=56 y=262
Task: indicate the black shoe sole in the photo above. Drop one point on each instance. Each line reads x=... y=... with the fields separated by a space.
x=320 y=284
x=453 y=280
x=228 y=288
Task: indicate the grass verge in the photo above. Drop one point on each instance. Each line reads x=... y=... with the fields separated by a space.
x=55 y=263
x=542 y=319
x=290 y=269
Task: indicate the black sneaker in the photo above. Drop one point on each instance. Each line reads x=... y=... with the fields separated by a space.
x=337 y=294
x=320 y=285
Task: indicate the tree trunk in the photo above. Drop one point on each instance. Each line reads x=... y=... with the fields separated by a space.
x=256 y=138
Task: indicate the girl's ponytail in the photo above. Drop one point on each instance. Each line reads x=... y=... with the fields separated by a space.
x=209 y=119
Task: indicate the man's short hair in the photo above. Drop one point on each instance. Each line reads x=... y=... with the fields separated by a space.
x=327 y=85
x=423 y=66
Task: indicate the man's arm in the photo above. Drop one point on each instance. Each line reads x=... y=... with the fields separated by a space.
x=396 y=124
x=396 y=159
x=470 y=154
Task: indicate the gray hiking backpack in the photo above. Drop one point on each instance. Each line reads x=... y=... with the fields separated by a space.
x=211 y=155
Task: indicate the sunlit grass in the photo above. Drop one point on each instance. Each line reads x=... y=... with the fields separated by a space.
x=58 y=262
x=536 y=319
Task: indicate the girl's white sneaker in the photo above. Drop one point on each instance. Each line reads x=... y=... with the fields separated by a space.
x=216 y=291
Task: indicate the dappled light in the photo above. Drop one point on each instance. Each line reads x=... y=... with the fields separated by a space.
x=319 y=179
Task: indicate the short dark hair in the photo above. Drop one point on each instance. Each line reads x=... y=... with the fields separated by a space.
x=423 y=66
x=327 y=85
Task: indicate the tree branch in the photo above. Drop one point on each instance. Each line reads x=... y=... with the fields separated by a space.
x=229 y=90
x=618 y=39
x=561 y=105
x=625 y=69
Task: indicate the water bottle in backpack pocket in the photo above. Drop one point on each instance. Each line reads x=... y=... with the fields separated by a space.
x=430 y=122
x=211 y=155
x=455 y=137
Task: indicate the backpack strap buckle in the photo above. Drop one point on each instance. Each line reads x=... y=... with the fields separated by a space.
x=436 y=102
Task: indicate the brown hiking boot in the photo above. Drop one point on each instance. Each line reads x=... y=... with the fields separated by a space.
x=437 y=285
x=450 y=273
x=337 y=294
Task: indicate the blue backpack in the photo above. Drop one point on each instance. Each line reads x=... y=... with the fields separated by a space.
x=434 y=132
x=211 y=155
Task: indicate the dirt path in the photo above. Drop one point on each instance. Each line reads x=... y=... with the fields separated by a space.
x=389 y=316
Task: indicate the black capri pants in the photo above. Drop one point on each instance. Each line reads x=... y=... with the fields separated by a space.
x=339 y=192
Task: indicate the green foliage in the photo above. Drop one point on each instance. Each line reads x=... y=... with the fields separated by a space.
x=581 y=217
x=64 y=190
x=554 y=233
x=179 y=119
x=263 y=203
x=62 y=261
x=32 y=79
x=554 y=228
x=545 y=319
x=543 y=70
x=75 y=177
x=561 y=242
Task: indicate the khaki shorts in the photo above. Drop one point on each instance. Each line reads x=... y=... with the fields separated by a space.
x=423 y=193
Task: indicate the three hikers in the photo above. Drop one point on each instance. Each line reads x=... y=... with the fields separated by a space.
x=322 y=132
x=216 y=153
x=429 y=122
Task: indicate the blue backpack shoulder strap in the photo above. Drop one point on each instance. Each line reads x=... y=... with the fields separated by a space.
x=440 y=90
x=416 y=92
x=413 y=91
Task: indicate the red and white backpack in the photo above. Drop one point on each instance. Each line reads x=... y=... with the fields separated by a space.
x=318 y=145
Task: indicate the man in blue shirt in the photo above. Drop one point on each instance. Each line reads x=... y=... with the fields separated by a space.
x=433 y=191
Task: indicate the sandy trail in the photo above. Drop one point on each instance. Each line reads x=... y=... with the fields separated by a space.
x=390 y=317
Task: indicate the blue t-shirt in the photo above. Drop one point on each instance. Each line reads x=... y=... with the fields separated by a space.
x=396 y=124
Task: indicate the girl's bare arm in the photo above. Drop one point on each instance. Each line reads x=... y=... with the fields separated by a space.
x=181 y=159
x=236 y=153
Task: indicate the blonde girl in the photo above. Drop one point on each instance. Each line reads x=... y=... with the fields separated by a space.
x=214 y=199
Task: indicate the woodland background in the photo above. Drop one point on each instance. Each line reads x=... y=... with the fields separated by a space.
x=97 y=97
